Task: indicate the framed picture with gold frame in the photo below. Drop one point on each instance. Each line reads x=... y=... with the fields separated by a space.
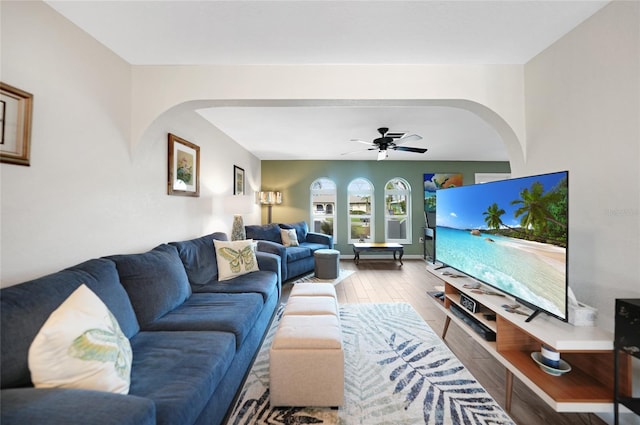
x=16 y=108
x=184 y=167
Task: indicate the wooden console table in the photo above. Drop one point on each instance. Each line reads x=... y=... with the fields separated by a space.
x=588 y=387
x=377 y=246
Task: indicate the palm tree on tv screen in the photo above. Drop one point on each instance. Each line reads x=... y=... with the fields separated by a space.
x=543 y=215
x=492 y=216
x=535 y=209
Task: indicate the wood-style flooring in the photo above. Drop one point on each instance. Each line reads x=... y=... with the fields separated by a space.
x=385 y=281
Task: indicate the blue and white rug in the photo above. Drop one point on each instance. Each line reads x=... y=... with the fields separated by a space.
x=397 y=371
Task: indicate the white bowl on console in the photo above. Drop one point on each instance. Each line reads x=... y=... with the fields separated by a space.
x=563 y=368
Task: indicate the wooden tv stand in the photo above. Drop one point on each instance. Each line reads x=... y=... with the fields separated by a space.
x=588 y=387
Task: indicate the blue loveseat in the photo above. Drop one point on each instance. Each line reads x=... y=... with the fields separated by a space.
x=193 y=337
x=294 y=260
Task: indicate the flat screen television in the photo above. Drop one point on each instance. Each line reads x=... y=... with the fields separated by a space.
x=510 y=234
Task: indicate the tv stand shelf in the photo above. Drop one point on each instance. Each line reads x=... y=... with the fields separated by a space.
x=588 y=387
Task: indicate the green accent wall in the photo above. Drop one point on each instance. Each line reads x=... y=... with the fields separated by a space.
x=294 y=178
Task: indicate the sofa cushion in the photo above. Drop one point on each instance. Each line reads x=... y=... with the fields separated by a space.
x=52 y=406
x=313 y=247
x=81 y=346
x=156 y=281
x=199 y=258
x=235 y=258
x=24 y=309
x=264 y=283
x=265 y=232
x=179 y=371
x=295 y=253
x=235 y=313
x=301 y=229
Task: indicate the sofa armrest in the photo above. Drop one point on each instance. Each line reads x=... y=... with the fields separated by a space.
x=273 y=248
x=74 y=407
x=269 y=262
x=320 y=238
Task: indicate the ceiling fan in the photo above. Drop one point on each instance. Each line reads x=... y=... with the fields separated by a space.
x=392 y=141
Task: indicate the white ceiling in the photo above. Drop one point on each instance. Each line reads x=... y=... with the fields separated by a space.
x=318 y=132
x=335 y=32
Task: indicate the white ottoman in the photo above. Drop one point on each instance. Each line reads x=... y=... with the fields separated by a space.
x=308 y=289
x=327 y=263
x=306 y=363
x=311 y=306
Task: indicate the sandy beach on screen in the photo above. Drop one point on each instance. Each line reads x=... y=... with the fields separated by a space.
x=553 y=255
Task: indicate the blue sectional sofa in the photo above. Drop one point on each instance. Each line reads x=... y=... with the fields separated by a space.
x=294 y=260
x=193 y=337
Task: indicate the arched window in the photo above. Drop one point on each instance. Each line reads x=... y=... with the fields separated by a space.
x=397 y=211
x=361 y=217
x=323 y=206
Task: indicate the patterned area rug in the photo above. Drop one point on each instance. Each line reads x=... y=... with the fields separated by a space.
x=397 y=371
x=311 y=277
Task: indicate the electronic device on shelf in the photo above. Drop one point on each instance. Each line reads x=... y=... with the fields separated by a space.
x=468 y=303
x=480 y=328
x=512 y=235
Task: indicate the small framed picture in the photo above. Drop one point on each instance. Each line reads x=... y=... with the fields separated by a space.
x=238 y=180
x=184 y=167
x=15 y=125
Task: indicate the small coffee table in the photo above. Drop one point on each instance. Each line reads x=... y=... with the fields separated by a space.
x=359 y=247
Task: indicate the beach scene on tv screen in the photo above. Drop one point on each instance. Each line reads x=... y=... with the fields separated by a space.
x=511 y=234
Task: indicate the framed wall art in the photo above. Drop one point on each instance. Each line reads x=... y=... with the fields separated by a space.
x=238 y=180
x=184 y=167
x=433 y=182
x=15 y=125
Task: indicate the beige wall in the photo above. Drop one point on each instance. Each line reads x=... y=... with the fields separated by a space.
x=87 y=193
x=494 y=92
x=583 y=114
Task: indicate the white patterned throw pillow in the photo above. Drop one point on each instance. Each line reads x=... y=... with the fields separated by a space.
x=81 y=346
x=289 y=237
x=235 y=258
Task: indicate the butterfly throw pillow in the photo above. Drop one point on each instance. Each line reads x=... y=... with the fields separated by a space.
x=235 y=258
x=81 y=346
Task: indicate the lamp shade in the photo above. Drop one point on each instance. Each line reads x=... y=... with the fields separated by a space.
x=270 y=198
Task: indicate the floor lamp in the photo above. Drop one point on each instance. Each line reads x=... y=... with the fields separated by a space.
x=270 y=198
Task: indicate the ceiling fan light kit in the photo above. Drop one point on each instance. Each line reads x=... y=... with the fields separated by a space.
x=391 y=141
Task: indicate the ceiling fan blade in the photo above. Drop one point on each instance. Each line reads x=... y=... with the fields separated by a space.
x=361 y=141
x=409 y=149
x=408 y=138
x=382 y=155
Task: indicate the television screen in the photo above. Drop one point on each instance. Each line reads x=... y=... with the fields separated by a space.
x=510 y=234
